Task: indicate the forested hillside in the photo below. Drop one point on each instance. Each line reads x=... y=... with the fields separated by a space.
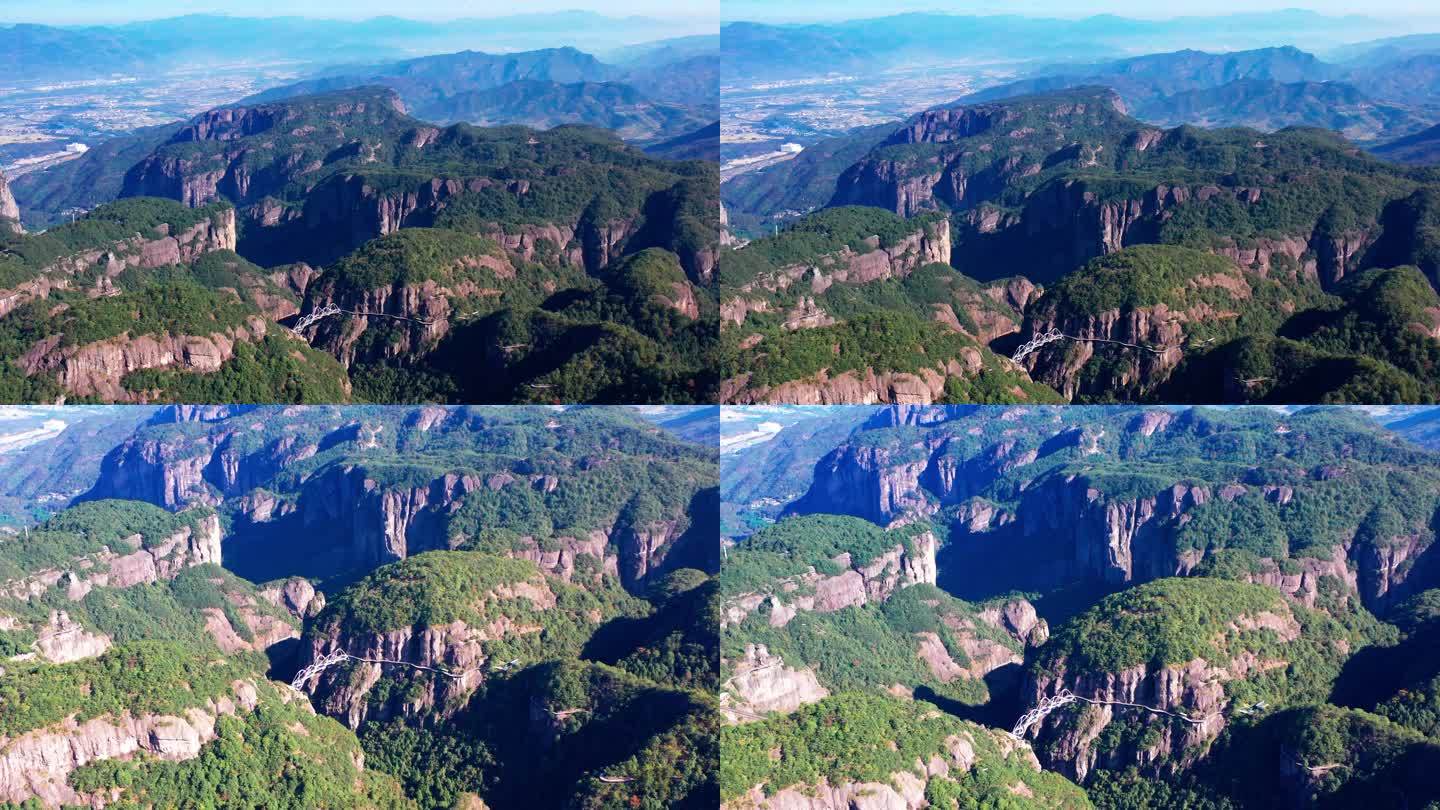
x=1183 y=264
x=355 y=252
x=497 y=607
x=1209 y=608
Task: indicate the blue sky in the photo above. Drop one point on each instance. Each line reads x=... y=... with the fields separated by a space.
x=799 y=10
x=103 y=11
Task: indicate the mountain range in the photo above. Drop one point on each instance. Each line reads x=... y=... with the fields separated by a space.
x=30 y=52
x=760 y=51
x=1266 y=88
x=650 y=99
x=1241 y=599
x=1185 y=264
x=538 y=583
x=564 y=258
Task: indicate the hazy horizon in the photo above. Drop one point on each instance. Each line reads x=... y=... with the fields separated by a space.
x=835 y=11
x=116 y=12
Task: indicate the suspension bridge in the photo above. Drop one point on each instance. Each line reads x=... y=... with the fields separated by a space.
x=1065 y=697
x=1044 y=339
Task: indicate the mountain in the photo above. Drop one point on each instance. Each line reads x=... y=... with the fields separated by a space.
x=1266 y=89
x=544 y=104
x=144 y=287
x=539 y=89
x=1269 y=106
x=150 y=48
x=41 y=51
x=1146 y=79
x=856 y=305
x=513 y=650
x=702 y=144
x=1238 y=601
x=1114 y=216
x=1422 y=148
x=565 y=257
x=88 y=181
x=632 y=513
x=762 y=52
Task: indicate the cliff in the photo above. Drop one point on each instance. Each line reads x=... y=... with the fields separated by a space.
x=1088 y=520
x=98 y=369
x=1247 y=632
x=906 y=755
x=9 y=209
x=38 y=764
x=99 y=266
x=508 y=615
x=869 y=261
x=909 y=563
x=134 y=562
x=956 y=157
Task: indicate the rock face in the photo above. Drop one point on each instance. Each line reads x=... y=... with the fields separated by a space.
x=904 y=790
x=456 y=648
x=158 y=249
x=860 y=583
x=239 y=173
x=300 y=171
x=762 y=684
x=1195 y=690
x=350 y=515
x=848 y=388
x=9 y=210
x=64 y=640
x=1140 y=371
x=951 y=174
x=38 y=764
x=126 y=567
x=928 y=244
x=99 y=369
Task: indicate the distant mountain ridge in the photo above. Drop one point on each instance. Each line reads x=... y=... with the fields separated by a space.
x=31 y=52
x=541 y=88
x=1266 y=88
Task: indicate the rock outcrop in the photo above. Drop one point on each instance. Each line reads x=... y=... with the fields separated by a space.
x=99 y=369
x=447 y=662
x=9 y=210
x=904 y=790
x=859 y=583
x=128 y=566
x=1193 y=690
x=762 y=683
x=853 y=388
x=928 y=244
x=100 y=266
x=957 y=175
x=38 y=764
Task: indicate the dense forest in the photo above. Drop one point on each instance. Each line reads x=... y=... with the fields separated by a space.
x=1113 y=607
x=522 y=601
x=332 y=248
x=1186 y=264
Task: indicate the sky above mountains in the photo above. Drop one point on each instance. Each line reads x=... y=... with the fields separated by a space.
x=833 y=10
x=82 y=12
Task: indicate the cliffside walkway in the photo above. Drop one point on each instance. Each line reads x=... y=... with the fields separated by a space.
x=1035 y=343
x=1065 y=697
x=328 y=310
x=313 y=671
